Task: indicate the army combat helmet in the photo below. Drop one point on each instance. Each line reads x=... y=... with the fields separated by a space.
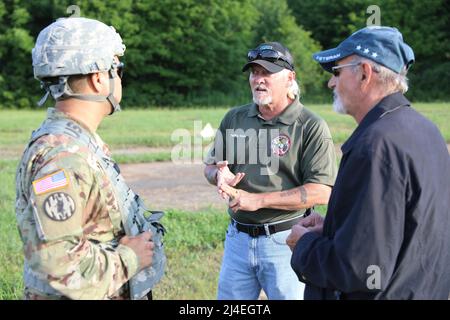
x=76 y=46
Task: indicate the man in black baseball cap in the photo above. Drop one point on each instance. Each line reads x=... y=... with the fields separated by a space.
x=385 y=235
x=272 y=56
x=281 y=160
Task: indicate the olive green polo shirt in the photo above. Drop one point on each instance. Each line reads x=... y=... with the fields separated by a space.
x=278 y=154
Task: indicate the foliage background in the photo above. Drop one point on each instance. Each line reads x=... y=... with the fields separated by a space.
x=189 y=52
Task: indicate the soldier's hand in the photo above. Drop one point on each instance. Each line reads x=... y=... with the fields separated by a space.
x=142 y=246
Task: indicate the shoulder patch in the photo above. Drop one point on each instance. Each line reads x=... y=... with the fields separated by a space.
x=59 y=206
x=51 y=182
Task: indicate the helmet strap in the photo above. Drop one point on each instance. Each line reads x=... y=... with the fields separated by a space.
x=43 y=99
x=62 y=91
x=114 y=103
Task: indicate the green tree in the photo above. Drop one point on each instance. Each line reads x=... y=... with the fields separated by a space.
x=15 y=47
x=424 y=25
x=276 y=23
x=182 y=52
x=187 y=49
x=330 y=21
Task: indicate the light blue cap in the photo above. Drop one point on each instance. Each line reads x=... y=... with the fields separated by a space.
x=383 y=45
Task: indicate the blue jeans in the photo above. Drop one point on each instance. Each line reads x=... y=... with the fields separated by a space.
x=250 y=264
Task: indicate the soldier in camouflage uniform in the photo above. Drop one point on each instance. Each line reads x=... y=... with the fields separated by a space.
x=85 y=234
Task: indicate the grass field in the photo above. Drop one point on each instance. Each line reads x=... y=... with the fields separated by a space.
x=153 y=128
x=194 y=242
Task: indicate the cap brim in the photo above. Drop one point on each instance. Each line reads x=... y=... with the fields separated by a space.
x=269 y=66
x=328 y=58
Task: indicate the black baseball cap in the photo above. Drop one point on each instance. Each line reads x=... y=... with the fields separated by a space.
x=272 y=56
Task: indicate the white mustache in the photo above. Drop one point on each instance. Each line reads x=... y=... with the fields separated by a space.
x=261 y=87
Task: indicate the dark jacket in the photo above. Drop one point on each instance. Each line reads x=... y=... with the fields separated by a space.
x=387 y=230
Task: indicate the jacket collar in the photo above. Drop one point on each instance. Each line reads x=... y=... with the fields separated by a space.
x=388 y=104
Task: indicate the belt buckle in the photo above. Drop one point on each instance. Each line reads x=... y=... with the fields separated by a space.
x=254 y=231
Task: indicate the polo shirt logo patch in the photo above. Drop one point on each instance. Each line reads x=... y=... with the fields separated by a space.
x=281 y=145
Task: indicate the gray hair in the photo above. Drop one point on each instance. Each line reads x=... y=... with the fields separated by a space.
x=294 y=90
x=387 y=78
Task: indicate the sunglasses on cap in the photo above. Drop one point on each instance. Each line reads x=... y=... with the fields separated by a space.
x=269 y=55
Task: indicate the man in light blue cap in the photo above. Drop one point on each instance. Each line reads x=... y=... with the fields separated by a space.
x=385 y=235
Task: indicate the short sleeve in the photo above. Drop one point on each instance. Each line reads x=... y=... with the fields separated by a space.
x=217 y=151
x=318 y=163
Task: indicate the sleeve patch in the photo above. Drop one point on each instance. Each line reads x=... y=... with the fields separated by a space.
x=51 y=182
x=59 y=206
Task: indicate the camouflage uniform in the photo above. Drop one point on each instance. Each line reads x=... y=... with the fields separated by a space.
x=67 y=230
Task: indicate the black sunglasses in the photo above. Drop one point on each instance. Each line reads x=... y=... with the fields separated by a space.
x=269 y=55
x=336 y=69
x=118 y=67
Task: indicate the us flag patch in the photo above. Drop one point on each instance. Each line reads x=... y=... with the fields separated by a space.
x=51 y=182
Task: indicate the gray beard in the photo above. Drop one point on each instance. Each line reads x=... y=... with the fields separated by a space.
x=337 y=104
x=262 y=101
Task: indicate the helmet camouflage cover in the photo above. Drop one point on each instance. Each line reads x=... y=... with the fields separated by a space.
x=71 y=46
x=75 y=46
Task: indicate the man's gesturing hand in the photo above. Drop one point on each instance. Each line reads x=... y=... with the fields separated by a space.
x=242 y=200
x=225 y=176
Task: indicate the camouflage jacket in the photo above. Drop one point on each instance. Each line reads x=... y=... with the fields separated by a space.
x=70 y=222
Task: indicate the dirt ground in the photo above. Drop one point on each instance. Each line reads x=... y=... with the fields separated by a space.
x=165 y=185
